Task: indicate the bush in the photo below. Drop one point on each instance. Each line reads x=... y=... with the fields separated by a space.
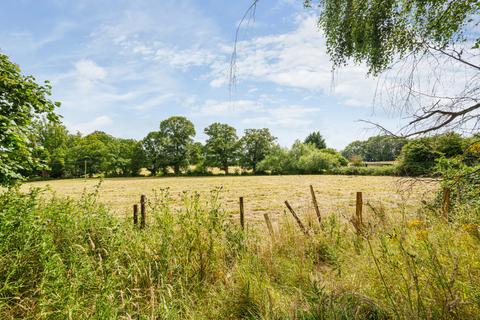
x=418 y=157
x=301 y=158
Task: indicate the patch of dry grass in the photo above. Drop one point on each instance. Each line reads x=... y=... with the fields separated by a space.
x=262 y=194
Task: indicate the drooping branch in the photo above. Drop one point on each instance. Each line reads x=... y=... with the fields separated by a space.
x=247 y=16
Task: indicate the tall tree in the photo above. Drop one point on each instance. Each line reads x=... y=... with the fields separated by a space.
x=423 y=37
x=255 y=145
x=22 y=101
x=316 y=139
x=153 y=151
x=221 y=147
x=52 y=137
x=178 y=133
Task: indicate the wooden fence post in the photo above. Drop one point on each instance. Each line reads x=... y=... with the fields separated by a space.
x=299 y=222
x=359 y=209
x=143 y=212
x=269 y=224
x=135 y=214
x=446 y=202
x=315 y=205
x=242 y=214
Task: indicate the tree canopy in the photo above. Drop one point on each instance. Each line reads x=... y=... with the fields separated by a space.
x=177 y=133
x=22 y=101
x=255 y=145
x=221 y=147
x=316 y=139
x=378 y=32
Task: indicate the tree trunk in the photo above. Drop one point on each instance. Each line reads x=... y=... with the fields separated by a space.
x=153 y=172
x=225 y=168
x=176 y=169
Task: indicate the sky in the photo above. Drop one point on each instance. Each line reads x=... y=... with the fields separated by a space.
x=123 y=66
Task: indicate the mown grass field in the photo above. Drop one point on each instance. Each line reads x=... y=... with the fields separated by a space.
x=262 y=194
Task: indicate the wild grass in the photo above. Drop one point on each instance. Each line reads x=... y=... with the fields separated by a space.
x=72 y=259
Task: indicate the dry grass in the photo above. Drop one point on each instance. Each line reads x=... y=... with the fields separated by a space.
x=263 y=194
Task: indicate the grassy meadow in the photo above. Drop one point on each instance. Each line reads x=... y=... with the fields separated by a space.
x=73 y=256
x=262 y=194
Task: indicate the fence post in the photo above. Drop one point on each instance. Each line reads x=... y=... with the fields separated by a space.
x=446 y=202
x=143 y=212
x=315 y=205
x=359 y=209
x=135 y=214
x=269 y=224
x=299 y=222
x=242 y=214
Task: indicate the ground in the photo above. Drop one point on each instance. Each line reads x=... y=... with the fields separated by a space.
x=262 y=194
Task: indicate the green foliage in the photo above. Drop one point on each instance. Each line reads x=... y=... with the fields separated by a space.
x=392 y=170
x=153 y=149
x=418 y=156
x=301 y=158
x=255 y=146
x=221 y=147
x=22 y=101
x=177 y=134
x=376 y=148
x=316 y=139
x=378 y=32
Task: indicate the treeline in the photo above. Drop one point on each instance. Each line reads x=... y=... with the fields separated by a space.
x=172 y=150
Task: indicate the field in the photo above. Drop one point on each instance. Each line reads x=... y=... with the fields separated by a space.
x=262 y=194
x=73 y=259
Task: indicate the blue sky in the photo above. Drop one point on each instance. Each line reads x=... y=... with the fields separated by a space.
x=123 y=66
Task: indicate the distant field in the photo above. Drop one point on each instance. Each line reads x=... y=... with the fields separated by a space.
x=263 y=194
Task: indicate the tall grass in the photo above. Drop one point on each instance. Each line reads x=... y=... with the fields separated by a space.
x=66 y=259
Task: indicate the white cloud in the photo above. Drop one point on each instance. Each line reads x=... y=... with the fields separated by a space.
x=89 y=70
x=298 y=60
x=99 y=123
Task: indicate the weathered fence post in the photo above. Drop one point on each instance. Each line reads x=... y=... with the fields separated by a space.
x=299 y=222
x=269 y=224
x=143 y=212
x=315 y=205
x=135 y=214
x=242 y=214
x=446 y=202
x=359 y=209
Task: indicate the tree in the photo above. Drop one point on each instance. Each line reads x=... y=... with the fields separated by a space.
x=178 y=133
x=255 y=145
x=422 y=37
x=418 y=157
x=153 y=151
x=221 y=147
x=52 y=138
x=376 y=148
x=22 y=101
x=316 y=139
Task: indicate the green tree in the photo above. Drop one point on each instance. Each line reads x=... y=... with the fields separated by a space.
x=22 y=101
x=52 y=138
x=178 y=133
x=221 y=147
x=418 y=157
x=316 y=139
x=153 y=151
x=378 y=32
x=254 y=146
x=376 y=148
